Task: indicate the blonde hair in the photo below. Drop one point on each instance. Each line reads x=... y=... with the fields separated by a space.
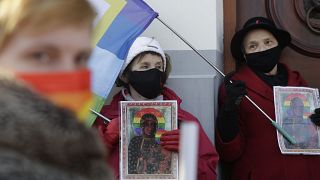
x=41 y=15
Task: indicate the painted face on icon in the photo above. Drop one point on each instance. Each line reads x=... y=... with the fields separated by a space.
x=149 y=125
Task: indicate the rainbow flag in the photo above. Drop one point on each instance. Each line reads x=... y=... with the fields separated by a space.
x=120 y=23
x=69 y=90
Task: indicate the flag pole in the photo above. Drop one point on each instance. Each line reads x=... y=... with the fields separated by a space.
x=190 y=45
x=105 y=119
x=276 y=125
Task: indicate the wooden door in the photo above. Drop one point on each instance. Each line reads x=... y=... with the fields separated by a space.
x=303 y=54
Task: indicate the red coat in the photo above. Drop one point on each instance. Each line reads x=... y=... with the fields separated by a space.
x=254 y=153
x=208 y=156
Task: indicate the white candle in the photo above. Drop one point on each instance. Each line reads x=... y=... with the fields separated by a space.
x=188 y=151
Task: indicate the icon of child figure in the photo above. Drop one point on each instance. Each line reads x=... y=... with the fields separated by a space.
x=298 y=124
x=145 y=154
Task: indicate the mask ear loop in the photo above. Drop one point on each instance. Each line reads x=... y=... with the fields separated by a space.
x=244 y=54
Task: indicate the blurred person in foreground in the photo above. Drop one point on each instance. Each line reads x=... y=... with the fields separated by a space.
x=44 y=88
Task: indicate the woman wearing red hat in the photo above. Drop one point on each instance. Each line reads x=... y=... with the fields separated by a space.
x=142 y=77
x=245 y=137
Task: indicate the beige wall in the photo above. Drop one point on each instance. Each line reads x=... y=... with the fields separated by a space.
x=201 y=23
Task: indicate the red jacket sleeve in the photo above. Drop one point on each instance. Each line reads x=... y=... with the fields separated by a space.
x=232 y=150
x=207 y=155
x=110 y=134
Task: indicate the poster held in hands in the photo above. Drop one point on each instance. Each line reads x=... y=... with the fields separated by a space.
x=142 y=124
x=293 y=106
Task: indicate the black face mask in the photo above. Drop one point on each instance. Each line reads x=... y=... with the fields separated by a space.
x=148 y=84
x=264 y=61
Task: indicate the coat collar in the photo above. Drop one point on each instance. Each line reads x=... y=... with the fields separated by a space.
x=112 y=110
x=257 y=85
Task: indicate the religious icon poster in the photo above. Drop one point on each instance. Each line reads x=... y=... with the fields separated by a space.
x=293 y=106
x=142 y=124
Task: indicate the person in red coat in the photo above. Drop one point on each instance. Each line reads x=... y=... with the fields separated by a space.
x=142 y=77
x=245 y=138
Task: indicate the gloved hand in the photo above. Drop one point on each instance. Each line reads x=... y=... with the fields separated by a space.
x=170 y=140
x=315 y=118
x=227 y=124
x=110 y=134
x=235 y=92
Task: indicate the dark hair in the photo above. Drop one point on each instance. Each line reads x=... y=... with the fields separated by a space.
x=120 y=82
x=148 y=116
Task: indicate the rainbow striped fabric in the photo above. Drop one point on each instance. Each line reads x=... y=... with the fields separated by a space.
x=120 y=22
x=70 y=90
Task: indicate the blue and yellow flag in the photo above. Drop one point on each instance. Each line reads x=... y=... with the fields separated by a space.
x=119 y=25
